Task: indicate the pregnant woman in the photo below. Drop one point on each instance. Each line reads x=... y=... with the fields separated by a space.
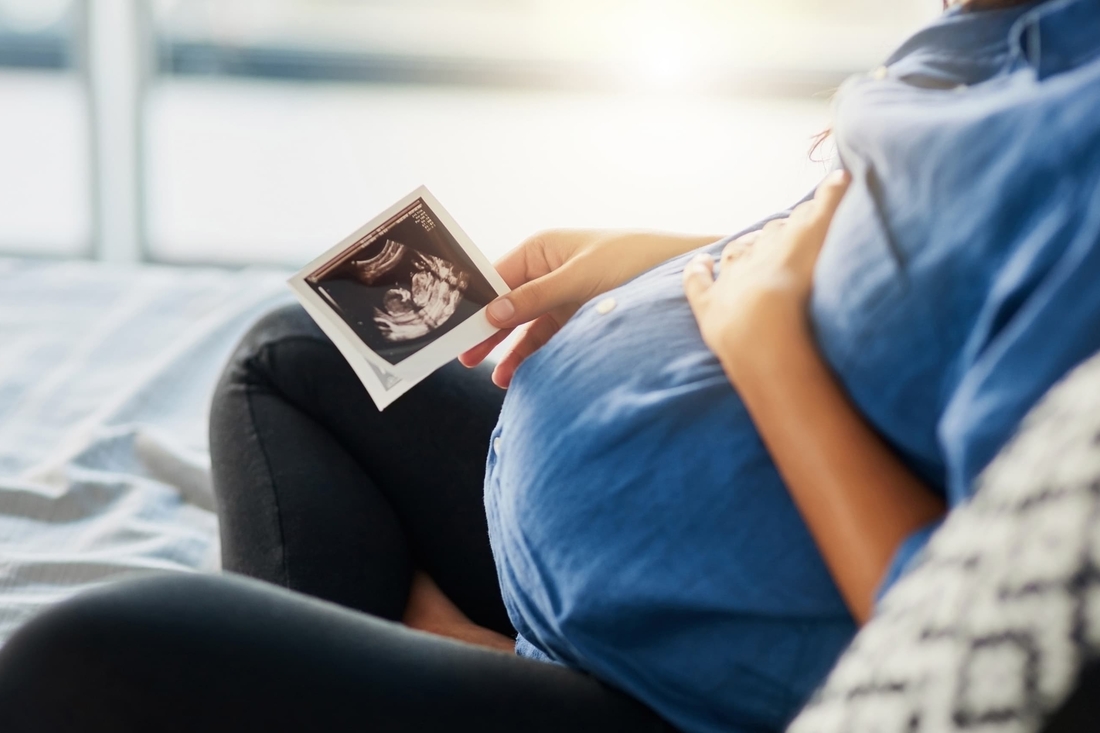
x=710 y=458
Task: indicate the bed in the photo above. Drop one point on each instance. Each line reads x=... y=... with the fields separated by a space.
x=105 y=383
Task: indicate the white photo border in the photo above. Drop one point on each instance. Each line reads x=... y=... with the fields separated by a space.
x=382 y=395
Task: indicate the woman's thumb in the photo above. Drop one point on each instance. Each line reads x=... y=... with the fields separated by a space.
x=698 y=276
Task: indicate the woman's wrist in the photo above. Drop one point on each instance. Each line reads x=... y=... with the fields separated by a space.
x=653 y=248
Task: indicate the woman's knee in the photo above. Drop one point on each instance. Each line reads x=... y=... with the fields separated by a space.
x=86 y=629
x=252 y=357
x=88 y=658
x=277 y=355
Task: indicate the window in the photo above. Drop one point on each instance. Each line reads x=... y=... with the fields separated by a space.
x=243 y=131
x=44 y=151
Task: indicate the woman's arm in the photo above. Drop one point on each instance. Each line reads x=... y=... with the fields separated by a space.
x=859 y=501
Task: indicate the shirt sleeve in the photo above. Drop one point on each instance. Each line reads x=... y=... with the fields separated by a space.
x=906 y=556
x=1041 y=317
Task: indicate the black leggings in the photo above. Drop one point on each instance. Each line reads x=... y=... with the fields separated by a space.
x=320 y=494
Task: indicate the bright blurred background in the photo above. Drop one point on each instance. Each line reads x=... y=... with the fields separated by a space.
x=262 y=131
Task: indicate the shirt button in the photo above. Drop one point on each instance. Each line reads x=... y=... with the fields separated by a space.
x=880 y=73
x=496 y=445
x=605 y=306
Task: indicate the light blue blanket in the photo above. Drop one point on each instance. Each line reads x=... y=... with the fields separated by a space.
x=105 y=380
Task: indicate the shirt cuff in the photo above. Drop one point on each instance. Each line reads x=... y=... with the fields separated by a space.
x=525 y=648
x=905 y=556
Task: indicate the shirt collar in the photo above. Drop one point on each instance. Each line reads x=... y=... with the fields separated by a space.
x=1057 y=36
x=1051 y=36
x=963 y=46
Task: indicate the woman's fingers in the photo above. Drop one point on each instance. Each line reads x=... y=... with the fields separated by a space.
x=535 y=285
x=532 y=299
x=534 y=336
x=829 y=194
x=773 y=226
x=745 y=240
x=515 y=266
x=698 y=277
x=820 y=209
x=739 y=246
x=810 y=225
x=475 y=355
x=803 y=212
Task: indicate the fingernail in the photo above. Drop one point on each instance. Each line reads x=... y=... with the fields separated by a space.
x=501 y=310
x=838 y=176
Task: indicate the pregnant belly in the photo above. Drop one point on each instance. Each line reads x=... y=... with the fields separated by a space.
x=635 y=515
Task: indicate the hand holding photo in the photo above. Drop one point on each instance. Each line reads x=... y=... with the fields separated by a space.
x=402 y=295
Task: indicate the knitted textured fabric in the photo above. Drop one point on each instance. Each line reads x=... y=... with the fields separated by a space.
x=991 y=627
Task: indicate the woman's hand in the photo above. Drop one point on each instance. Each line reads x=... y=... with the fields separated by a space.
x=765 y=279
x=554 y=273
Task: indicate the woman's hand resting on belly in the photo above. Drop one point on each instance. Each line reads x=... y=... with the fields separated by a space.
x=765 y=276
x=555 y=272
x=858 y=499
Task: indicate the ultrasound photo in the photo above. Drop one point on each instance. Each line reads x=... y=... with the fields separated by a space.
x=404 y=284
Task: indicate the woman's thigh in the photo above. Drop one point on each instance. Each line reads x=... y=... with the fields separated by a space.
x=320 y=492
x=200 y=653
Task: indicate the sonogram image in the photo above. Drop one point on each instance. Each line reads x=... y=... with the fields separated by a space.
x=403 y=285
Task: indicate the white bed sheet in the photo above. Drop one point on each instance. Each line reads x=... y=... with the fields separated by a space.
x=105 y=381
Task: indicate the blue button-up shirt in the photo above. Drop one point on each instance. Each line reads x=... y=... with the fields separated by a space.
x=640 y=529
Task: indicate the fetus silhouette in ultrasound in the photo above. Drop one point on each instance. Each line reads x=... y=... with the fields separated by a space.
x=423 y=290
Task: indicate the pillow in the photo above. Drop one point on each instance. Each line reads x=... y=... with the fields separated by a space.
x=991 y=627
